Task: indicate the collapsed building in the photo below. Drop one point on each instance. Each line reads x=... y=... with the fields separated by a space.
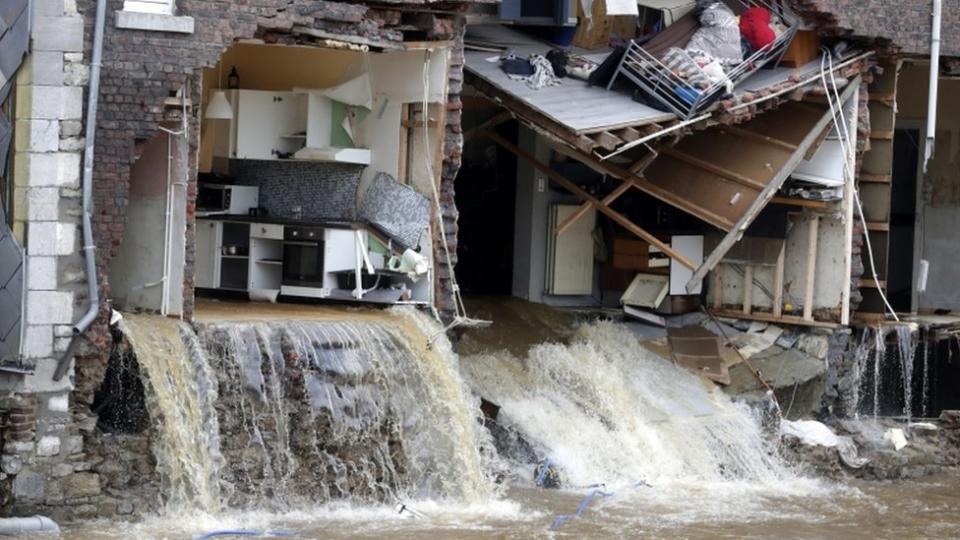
x=360 y=152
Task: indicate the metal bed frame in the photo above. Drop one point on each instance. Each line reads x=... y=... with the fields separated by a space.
x=661 y=83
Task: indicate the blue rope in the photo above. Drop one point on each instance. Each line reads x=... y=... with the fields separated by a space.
x=561 y=519
x=242 y=532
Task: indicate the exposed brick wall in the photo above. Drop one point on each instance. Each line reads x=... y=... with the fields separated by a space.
x=452 y=155
x=143 y=68
x=905 y=23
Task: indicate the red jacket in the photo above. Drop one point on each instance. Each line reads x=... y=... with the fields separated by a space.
x=755 y=27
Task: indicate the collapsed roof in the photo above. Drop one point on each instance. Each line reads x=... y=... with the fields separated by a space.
x=728 y=167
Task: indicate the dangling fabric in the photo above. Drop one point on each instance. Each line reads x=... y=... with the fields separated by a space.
x=543 y=74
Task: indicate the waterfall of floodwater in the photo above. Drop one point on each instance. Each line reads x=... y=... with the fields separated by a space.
x=605 y=410
x=925 y=396
x=369 y=410
x=907 y=344
x=362 y=409
x=873 y=345
x=181 y=391
x=879 y=351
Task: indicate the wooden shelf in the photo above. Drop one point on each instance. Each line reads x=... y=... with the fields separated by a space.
x=269 y=261
x=875 y=178
x=878 y=227
x=806 y=203
x=234 y=256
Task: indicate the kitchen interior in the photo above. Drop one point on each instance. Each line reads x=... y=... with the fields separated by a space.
x=316 y=171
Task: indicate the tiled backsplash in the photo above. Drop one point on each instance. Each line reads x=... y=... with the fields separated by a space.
x=323 y=191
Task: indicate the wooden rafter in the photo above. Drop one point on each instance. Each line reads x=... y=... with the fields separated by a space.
x=593 y=201
x=635 y=169
x=491 y=123
x=763 y=198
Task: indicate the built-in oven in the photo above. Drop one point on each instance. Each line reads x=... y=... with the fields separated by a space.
x=302 y=257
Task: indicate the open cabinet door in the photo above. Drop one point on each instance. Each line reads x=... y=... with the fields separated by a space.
x=570 y=255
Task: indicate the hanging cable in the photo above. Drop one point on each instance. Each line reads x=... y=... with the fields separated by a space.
x=843 y=134
x=460 y=311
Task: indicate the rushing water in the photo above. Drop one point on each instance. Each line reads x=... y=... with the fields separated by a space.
x=318 y=428
x=281 y=415
x=606 y=411
x=887 y=386
x=180 y=397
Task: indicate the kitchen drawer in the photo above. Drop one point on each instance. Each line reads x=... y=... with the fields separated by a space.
x=266 y=230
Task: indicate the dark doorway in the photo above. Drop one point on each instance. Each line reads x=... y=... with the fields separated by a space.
x=903 y=214
x=485 y=196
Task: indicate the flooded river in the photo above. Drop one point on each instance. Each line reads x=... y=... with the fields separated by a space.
x=802 y=509
x=371 y=428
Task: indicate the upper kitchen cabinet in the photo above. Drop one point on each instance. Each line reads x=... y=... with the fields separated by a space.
x=265 y=125
x=285 y=125
x=270 y=125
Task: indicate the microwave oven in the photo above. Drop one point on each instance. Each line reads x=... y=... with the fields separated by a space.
x=226 y=199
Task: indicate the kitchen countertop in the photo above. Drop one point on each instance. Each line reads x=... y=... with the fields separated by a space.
x=284 y=221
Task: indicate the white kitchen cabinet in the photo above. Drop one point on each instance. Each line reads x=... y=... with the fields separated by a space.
x=266 y=256
x=264 y=124
x=207 y=266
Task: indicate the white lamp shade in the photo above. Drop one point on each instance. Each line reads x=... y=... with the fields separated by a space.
x=219 y=108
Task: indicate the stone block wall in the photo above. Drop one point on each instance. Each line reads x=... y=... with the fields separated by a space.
x=41 y=444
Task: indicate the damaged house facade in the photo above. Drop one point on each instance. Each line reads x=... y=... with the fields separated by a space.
x=170 y=156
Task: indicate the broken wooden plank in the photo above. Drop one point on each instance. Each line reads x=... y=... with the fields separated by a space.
x=813 y=228
x=804 y=203
x=872 y=284
x=658 y=192
x=767 y=317
x=878 y=227
x=875 y=178
x=575 y=189
x=768 y=193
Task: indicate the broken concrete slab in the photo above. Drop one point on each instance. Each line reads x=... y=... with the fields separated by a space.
x=798 y=380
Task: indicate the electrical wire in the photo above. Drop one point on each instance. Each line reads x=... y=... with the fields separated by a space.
x=460 y=317
x=836 y=110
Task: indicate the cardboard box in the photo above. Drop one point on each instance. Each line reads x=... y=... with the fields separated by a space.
x=629 y=254
x=804 y=48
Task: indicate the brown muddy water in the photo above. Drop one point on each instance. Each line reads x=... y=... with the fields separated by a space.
x=596 y=405
x=798 y=509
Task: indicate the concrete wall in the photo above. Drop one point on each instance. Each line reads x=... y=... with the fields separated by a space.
x=530 y=221
x=137 y=271
x=939 y=197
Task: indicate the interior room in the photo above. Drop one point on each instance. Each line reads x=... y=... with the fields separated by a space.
x=317 y=170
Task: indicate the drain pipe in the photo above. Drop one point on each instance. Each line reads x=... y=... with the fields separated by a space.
x=934 y=82
x=89 y=248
